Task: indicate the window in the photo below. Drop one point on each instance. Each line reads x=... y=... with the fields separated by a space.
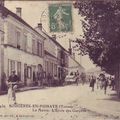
x=25 y=74
x=52 y=68
x=66 y=60
x=47 y=68
x=34 y=72
x=29 y=72
x=55 y=70
x=33 y=46
x=18 y=39
x=19 y=70
x=11 y=66
x=25 y=42
x=39 y=49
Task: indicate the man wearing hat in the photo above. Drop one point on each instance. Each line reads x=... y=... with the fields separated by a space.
x=12 y=84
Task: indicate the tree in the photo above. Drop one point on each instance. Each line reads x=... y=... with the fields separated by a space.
x=101 y=27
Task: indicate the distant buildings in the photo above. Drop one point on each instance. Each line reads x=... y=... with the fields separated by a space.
x=30 y=51
x=94 y=71
x=74 y=66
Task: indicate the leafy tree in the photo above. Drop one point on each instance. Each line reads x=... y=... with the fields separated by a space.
x=101 y=27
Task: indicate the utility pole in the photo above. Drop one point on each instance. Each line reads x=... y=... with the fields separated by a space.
x=71 y=51
x=70 y=48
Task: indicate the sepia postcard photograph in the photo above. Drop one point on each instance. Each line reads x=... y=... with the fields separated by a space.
x=59 y=60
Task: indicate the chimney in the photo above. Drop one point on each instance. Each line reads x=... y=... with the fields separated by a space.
x=54 y=37
x=40 y=26
x=19 y=11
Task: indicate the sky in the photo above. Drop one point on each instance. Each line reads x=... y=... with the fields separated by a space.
x=34 y=12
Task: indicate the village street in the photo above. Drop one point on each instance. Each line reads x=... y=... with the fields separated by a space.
x=62 y=103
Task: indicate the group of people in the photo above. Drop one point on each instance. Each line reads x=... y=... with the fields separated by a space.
x=13 y=83
x=102 y=82
x=42 y=79
x=78 y=77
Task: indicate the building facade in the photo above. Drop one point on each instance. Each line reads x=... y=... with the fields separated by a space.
x=29 y=52
x=22 y=48
x=56 y=57
x=50 y=55
x=62 y=57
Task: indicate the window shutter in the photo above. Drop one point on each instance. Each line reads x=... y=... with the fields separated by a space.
x=11 y=35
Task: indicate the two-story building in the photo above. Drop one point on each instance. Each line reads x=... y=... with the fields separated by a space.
x=21 y=48
x=56 y=57
x=62 y=56
x=50 y=55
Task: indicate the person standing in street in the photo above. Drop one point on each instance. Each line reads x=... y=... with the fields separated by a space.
x=83 y=78
x=13 y=81
x=98 y=82
x=77 y=77
x=40 y=78
x=105 y=85
x=92 y=83
x=113 y=83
